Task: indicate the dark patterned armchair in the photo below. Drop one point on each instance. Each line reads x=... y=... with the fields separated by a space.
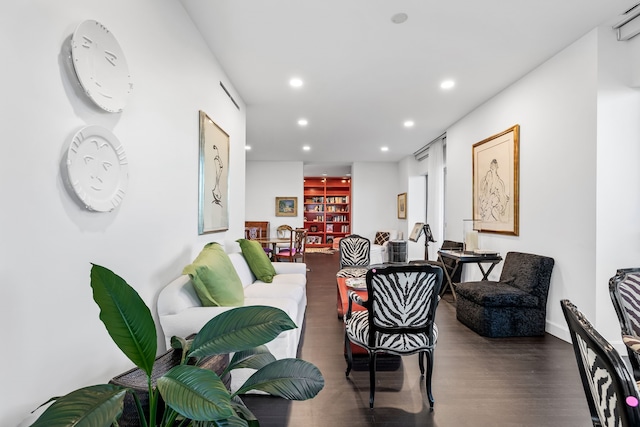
x=514 y=306
x=612 y=395
x=399 y=317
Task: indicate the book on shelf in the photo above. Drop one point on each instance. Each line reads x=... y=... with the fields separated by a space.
x=330 y=228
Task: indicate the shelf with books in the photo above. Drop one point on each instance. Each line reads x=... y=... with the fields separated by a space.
x=327 y=206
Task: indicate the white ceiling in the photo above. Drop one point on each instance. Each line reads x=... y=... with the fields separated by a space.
x=365 y=75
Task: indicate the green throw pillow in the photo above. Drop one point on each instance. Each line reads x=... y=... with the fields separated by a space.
x=257 y=259
x=215 y=280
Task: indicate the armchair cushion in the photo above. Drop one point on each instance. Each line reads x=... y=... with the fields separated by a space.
x=259 y=263
x=358 y=330
x=487 y=294
x=214 y=278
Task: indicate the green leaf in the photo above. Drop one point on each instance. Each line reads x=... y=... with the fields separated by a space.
x=180 y=343
x=254 y=358
x=94 y=406
x=195 y=393
x=234 y=421
x=292 y=379
x=240 y=329
x=126 y=317
x=244 y=412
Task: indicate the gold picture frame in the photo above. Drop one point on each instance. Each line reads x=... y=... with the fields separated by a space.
x=402 y=206
x=496 y=182
x=286 y=206
x=213 y=185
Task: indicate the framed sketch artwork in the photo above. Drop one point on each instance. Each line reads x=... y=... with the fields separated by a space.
x=496 y=171
x=213 y=209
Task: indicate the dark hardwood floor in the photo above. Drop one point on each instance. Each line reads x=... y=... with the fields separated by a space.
x=477 y=381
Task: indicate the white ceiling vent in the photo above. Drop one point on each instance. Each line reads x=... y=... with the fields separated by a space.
x=629 y=26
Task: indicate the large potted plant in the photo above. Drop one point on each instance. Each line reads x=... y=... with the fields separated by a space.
x=192 y=396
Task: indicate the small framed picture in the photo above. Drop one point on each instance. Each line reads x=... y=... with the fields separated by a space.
x=286 y=206
x=402 y=206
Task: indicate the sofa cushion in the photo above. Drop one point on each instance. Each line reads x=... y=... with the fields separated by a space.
x=257 y=259
x=381 y=237
x=214 y=278
x=495 y=294
x=259 y=289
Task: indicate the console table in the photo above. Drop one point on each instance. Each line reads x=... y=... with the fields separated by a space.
x=463 y=257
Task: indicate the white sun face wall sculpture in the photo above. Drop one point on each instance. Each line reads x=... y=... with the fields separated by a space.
x=97 y=169
x=100 y=66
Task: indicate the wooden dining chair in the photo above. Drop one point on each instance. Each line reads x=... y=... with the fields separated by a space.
x=252 y=233
x=296 y=249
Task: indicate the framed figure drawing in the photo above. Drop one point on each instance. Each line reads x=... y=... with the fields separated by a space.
x=496 y=171
x=213 y=203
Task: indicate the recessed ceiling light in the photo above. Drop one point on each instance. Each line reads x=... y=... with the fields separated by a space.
x=247 y=147
x=408 y=123
x=303 y=122
x=295 y=82
x=399 y=18
x=306 y=148
x=324 y=174
x=384 y=148
x=447 y=84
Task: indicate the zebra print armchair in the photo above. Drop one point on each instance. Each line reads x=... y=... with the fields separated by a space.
x=612 y=395
x=355 y=254
x=399 y=317
x=624 y=289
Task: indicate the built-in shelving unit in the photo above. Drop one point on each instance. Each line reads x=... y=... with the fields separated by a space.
x=327 y=209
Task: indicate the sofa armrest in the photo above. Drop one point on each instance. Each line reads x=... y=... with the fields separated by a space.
x=290 y=267
x=188 y=321
x=177 y=296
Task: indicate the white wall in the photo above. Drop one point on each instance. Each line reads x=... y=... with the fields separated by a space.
x=54 y=339
x=555 y=106
x=578 y=180
x=374 y=188
x=267 y=180
x=618 y=155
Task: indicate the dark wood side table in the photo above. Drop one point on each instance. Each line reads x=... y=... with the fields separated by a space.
x=461 y=257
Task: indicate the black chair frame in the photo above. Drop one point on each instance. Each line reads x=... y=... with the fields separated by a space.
x=621 y=289
x=428 y=328
x=616 y=389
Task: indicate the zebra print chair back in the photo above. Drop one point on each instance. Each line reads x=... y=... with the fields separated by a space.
x=624 y=289
x=355 y=256
x=612 y=395
x=399 y=316
x=354 y=251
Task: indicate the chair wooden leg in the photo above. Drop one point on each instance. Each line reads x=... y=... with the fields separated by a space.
x=429 y=355
x=421 y=362
x=347 y=347
x=372 y=377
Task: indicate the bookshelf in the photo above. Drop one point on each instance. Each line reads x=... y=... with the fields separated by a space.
x=327 y=209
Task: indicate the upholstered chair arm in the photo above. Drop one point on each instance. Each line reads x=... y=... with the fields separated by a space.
x=354 y=297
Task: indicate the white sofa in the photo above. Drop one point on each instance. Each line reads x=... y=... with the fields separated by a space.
x=181 y=313
x=380 y=253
